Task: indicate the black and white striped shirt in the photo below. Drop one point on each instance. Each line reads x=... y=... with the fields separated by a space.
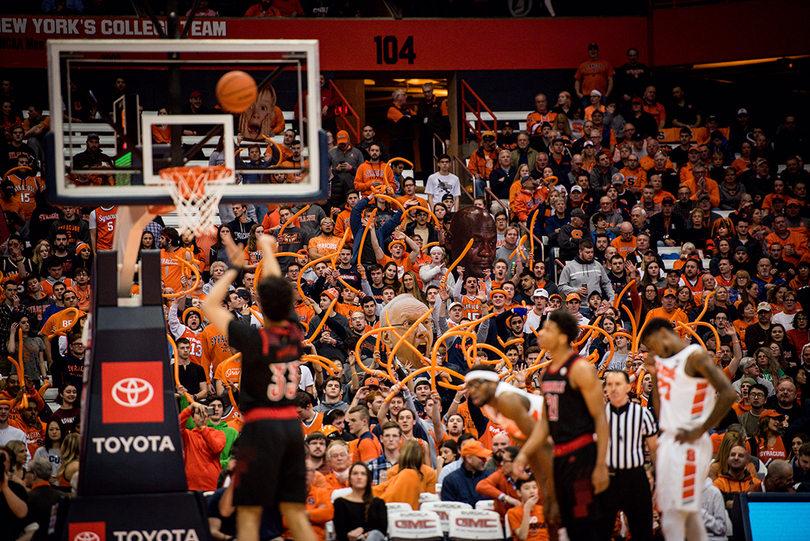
x=628 y=425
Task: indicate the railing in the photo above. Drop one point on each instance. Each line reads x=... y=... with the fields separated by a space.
x=659 y=4
x=464 y=178
x=475 y=109
x=346 y=113
x=435 y=156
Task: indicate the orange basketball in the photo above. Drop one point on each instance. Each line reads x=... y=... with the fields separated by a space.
x=236 y=91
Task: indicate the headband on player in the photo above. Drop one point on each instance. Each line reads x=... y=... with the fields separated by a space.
x=481 y=374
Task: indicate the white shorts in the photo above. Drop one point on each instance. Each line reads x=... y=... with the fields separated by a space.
x=681 y=469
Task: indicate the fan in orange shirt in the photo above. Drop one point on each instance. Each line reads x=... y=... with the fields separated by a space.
x=368 y=446
x=625 y=243
x=669 y=311
x=373 y=172
x=310 y=420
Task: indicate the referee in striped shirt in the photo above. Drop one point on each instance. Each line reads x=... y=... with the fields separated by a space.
x=630 y=425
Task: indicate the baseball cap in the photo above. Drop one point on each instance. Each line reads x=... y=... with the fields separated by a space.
x=328 y=430
x=497 y=291
x=742 y=111
x=7 y=185
x=669 y=291
x=794 y=202
x=453 y=305
x=595 y=92
x=693 y=149
x=573 y=297
x=704 y=196
x=372 y=382
x=92 y=136
x=195 y=94
x=506 y=124
x=578 y=213
x=342 y=136
x=540 y=292
x=421 y=381
x=593 y=46
x=638 y=100
x=594 y=293
x=771 y=413
x=667 y=201
x=636 y=137
x=486 y=134
x=763 y=307
x=750 y=381
x=576 y=188
x=587 y=144
x=712 y=118
x=741 y=249
x=243 y=293
x=474 y=448
x=556 y=296
x=618 y=178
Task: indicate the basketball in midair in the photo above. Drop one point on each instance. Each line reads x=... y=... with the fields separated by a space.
x=236 y=91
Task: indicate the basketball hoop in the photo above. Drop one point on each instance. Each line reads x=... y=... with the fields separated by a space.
x=196 y=192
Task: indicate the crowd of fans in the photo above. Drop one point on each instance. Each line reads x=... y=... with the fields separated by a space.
x=592 y=178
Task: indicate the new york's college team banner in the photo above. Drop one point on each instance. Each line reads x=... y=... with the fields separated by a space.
x=364 y=44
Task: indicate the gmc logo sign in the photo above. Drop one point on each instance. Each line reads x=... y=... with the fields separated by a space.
x=415 y=524
x=464 y=522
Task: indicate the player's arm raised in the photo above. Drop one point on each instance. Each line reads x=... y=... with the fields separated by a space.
x=212 y=308
x=583 y=377
x=701 y=364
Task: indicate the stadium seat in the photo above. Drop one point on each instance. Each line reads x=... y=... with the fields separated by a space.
x=340 y=492
x=443 y=509
x=485 y=505
x=428 y=497
x=411 y=525
x=468 y=524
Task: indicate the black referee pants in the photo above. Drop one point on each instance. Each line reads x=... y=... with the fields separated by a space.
x=629 y=491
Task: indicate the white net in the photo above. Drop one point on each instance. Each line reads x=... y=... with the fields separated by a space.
x=196 y=192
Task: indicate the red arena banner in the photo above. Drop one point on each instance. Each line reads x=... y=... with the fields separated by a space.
x=373 y=44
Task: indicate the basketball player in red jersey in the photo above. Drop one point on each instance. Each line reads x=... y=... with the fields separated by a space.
x=685 y=378
x=270 y=471
x=575 y=410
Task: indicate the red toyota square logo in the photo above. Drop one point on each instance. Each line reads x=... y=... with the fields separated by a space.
x=87 y=531
x=132 y=392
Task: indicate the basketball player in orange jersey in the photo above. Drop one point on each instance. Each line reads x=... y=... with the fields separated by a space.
x=685 y=378
x=517 y=412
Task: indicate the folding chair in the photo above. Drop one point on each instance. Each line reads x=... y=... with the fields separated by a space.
x=470 y=524
x=443 y=510
x=415 y=525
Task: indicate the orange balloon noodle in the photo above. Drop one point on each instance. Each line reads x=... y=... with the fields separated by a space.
x=325 y=363
x=640 y=376
x=193 y=287
x=633 y=322
x=618 y=298
x=390 y=200
x=692 y=332
x=288 y=254
x=420 y=207
x=75 y=313
x=638 y=336
x=456 y=262
x=177 y=368
x=358 y=359
x=517 y=251
x=323 y=320
x=711 y=327
x=429 y=245
x=630 y=338
x=301 y=273
x=392 y=160
x=531 y=231
x=292 y=218
x=335 y=256
x=535 y=367
x=402 y=338
x=280 y=153
x=508 y=342
x=706 y=307
x=471 y=352
x=365 y=232
x=587 y=334
x=596 y=329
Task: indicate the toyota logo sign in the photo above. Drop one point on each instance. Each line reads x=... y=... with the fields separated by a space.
x=131 y=393
x=86 y=536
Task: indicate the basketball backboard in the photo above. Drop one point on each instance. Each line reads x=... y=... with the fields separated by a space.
x=170 y=85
